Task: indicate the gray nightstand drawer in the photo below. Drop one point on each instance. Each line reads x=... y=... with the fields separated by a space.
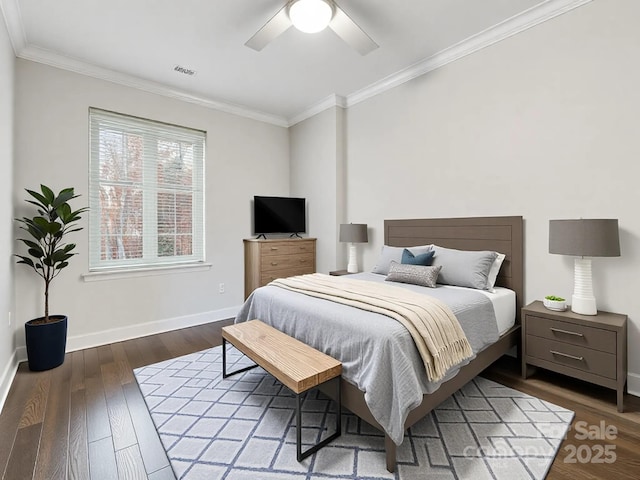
x=591 y=337
x=590 y=347
x=585 y=359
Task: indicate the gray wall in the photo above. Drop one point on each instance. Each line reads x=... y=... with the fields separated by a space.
x=543 y=124
x=7 y=338
x=242 y=157
x=317 y=173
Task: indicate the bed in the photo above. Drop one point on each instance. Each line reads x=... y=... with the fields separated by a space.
x=372 y=388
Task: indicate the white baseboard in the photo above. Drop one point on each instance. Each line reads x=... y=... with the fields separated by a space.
x=633 y=384
x=113 y=335
x=7 y=377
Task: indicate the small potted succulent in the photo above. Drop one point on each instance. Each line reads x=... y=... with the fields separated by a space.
x=553 y=302
x=48 y=254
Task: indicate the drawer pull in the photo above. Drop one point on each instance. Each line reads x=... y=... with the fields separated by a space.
x=573 y=357
x=274 y=248
x=559 y=330
x=274 y=263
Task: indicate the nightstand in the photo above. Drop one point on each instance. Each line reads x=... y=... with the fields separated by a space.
x=338 y=273
x=588 y=347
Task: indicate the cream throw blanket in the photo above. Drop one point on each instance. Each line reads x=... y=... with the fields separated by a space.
x=431 y=323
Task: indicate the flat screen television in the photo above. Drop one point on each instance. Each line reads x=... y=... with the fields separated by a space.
x=279 y=215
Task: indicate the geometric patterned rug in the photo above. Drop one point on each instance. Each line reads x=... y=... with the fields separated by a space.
x=243 y=427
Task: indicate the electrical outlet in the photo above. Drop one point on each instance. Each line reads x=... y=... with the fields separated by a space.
x=221 y=288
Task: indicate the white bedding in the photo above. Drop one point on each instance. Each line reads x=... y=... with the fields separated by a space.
x=504 y=305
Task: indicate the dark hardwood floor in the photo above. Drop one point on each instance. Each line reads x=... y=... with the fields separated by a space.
x=87 y=419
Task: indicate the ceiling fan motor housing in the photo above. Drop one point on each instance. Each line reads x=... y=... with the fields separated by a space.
x=310 y=16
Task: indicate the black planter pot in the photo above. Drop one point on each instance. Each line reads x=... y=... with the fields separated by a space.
x=46 y=342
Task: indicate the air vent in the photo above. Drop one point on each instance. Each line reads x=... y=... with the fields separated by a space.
x=184 y=70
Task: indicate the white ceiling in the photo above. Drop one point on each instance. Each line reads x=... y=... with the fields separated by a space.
x=139 y=42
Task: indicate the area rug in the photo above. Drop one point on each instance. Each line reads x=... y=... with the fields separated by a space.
x=243 y=427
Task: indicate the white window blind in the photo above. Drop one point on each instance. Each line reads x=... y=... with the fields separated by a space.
x=145 y=193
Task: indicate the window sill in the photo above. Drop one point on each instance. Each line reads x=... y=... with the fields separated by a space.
x=133 y=272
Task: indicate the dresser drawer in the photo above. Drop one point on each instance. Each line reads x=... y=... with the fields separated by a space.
x=265 y=278
x=274 y=263
x=287 y=248
x=581 y=358
x=590 y=337
x=266 y=260
x=274 y=248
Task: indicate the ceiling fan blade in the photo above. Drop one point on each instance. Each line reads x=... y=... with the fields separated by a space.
x=350 y=32
x=272 y=29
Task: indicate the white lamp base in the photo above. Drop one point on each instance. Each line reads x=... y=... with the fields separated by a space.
x=352 y=266
x=582 y=301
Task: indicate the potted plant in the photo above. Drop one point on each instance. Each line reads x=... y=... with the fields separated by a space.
x=553 y=302
x=48 y=255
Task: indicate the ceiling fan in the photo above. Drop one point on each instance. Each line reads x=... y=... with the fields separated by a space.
x=312 y=16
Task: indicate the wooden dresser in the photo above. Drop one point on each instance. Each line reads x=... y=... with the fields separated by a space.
x=588 y=347
x=266 y=260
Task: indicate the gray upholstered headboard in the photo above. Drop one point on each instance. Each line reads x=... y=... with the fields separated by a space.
x=501 y=234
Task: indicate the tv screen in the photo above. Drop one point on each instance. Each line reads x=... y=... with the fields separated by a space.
x=279 y=215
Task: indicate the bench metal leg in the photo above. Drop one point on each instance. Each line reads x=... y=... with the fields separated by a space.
x=224 y=362
x=302 y=455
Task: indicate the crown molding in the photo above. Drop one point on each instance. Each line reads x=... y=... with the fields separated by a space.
x=329 y=102
x=10 y=10
x=512 y=26
x=47 y=57
x=501 y=31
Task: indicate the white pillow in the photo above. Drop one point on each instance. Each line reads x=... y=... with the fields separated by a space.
x=494 y=270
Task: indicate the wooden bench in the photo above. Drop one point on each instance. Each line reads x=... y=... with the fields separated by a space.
x=295 y=364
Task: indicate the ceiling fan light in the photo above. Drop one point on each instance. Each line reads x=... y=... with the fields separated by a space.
x=310 y=16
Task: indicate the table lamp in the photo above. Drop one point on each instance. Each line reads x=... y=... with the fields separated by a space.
x=584 y=238
x=353 y=233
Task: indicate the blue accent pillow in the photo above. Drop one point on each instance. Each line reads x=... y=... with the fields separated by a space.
x=424 y=259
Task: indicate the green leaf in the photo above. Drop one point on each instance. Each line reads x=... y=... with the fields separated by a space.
x=35 y=232
x=48 y=194
x=29 y=243
x=47 y=227
x=62 y=265
x=64 y=212
x=37 y=204
x=61 y=256
x=36 y=252
x=25 y=260
x=43 y=201
x=69 y=247
x=40 y=222
x=53 y=228
x=63 y=197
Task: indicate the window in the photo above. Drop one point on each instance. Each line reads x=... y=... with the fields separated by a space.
x=145 y=193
